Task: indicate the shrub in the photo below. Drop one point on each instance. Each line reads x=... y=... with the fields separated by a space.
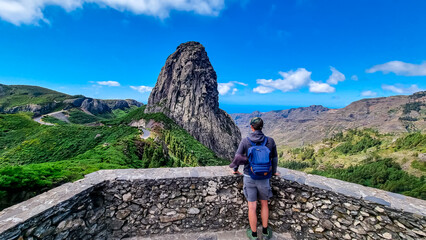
x=413 y=106
x=411 y=141
x=383 y=173
x=296 y=165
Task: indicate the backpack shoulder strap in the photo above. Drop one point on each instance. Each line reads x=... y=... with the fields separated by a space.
x=264 y=141
x=252 y=143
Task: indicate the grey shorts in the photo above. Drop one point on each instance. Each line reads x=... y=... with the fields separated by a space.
x=256 y=189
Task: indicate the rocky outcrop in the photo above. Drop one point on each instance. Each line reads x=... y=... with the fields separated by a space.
x=98 y=106
x=133 y=102
x=75 y=102
x=186 y=91
x=94 y=106
x=34 y=108
x=122 y=104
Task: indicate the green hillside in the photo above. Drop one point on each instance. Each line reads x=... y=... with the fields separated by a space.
x=34 y=157
x=391 y=162
x=20 y=95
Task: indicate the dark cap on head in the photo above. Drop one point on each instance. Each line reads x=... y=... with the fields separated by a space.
x=256 y=123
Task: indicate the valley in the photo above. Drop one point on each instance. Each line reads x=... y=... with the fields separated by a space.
x=70 y=143
x=48 y=138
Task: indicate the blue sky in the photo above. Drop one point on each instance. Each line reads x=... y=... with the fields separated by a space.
x=268 y=55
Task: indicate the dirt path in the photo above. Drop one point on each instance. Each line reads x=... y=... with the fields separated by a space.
x=58 y=115
x=38 y=119
x=145 y=134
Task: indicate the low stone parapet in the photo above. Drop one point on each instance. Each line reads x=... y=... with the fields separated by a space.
x=115 y=204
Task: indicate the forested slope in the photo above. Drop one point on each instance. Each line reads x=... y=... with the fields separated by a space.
x=34 y=157
x=392 y=162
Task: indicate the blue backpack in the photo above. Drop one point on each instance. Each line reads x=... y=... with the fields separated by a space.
x=258 y=158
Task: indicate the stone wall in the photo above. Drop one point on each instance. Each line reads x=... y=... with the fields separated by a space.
x=115 y=204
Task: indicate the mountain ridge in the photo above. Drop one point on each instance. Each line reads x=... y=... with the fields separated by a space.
x=40 y=100
x=305 y=125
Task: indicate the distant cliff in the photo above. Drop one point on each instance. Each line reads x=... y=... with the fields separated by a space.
x=38 y=100
x=186 y=91
x=98 y=106
x=298 y=126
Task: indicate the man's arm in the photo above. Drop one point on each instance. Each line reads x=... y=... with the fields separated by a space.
x=274 y=165
x=239 y=155
x=274 y=157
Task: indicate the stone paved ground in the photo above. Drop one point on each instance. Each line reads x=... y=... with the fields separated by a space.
x=225 y=235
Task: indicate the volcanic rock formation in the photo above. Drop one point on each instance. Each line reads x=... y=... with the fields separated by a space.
x=186 y=91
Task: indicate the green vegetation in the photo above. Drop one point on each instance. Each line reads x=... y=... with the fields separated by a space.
x=418 y=95
x=77 y=116
x=80 y=117
x=407 y=118
x=137 y=114
x=48 y=144
x=20 y=95
x=419 y=165
x=353 y=147
x=184 y=149
x=412 y=141
x=9 y=122
x=295 y=165
x=53 y=120
x=366 y=157
x=412 y=106
x=36 y=157
x=380 y=173
x=187 y=148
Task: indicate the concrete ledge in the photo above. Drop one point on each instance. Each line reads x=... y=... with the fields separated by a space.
x=295 y=194
x=389 y=199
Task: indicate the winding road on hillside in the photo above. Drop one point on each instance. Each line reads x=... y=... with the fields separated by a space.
x=61 y=116
x=145 y=134
x=58 y=115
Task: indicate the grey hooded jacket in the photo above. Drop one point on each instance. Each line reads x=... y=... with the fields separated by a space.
x=257 y=137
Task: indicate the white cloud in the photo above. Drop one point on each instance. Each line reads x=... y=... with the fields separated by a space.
x=400 y=89
x=142 y=89
x=263 y=89
x=109 y=83
x=400 y=68
x=291 y=80
x=319 y=87
x=31 y=11
x=335 y=76
x=354 y=78
x=368 y=93
x=224 y=88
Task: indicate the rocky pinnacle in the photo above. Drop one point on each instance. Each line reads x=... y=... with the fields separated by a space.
x=186 y=91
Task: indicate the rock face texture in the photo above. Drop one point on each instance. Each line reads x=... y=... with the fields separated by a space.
x=34 y=108
x=98 y=106
x=186 y=91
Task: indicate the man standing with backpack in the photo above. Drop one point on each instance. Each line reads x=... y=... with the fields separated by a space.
x=259 y=155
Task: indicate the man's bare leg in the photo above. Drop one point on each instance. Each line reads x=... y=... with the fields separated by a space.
x=252 y=216
x=264 y=213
